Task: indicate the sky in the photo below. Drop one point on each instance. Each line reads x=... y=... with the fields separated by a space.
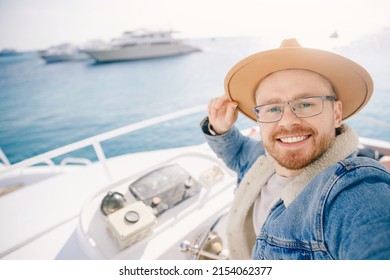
x=39 y=24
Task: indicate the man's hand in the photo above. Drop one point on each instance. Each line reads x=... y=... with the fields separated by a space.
x=223 y=114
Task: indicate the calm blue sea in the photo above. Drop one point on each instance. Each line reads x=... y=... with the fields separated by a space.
x=45 y=106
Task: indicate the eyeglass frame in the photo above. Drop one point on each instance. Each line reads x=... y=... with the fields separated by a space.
x=283 y=104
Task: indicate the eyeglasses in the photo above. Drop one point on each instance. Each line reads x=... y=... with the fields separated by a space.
x=302 y=108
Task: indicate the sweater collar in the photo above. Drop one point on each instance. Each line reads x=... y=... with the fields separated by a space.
x=344 y=145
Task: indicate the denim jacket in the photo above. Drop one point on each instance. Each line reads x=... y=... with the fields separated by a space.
x=337 y=208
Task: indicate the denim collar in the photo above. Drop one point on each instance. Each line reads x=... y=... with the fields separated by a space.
x=256 y=178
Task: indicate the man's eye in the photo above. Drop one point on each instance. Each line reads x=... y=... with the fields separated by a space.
x=304 y=105
x=274 y=110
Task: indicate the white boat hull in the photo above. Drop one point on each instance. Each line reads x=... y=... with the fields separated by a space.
x=54 y=212
x=60 y=217
x=140 y=52
x=64 y=57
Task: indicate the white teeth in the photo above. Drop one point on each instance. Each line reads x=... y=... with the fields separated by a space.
x=292 y=139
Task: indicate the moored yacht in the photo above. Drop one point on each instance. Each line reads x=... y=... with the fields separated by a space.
x=140 y=44
x=62 y=53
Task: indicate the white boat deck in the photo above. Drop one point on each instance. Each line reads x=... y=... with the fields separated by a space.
x=43 y=224
x=53 y=212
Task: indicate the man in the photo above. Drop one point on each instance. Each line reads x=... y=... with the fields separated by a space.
x=303 y=192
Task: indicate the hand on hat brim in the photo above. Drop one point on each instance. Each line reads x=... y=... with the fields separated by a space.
x=222 y=114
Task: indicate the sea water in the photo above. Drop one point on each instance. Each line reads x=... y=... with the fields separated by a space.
x=45 y=106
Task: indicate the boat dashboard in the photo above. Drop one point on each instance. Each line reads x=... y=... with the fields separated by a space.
x=151 y=214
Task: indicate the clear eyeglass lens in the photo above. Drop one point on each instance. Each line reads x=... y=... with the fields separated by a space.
x=307 y=107
x=302 y=108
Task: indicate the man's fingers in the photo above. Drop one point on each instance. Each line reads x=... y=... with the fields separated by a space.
x=231 y=112
x=221 y=101
x=222 y=110
x=212 y=110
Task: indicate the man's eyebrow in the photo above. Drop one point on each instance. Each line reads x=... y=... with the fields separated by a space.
x=271 y=101
x=278 y=100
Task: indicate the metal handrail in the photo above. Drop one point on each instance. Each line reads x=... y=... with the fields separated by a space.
x=4 y=158
x=96 y=140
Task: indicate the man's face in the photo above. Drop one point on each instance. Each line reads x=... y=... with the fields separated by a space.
x=296 y=142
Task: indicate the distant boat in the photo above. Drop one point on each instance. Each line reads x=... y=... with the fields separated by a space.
x=62 y=53
x=139 y=44
x=8 y=52
x=334 y=35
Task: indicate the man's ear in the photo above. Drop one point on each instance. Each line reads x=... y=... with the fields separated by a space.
x=338 y=113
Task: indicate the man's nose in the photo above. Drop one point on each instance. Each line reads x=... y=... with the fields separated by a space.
x=288 y=117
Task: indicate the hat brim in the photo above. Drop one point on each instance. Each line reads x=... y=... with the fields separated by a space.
x=352 y=83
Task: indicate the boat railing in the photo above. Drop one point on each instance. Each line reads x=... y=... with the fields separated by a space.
x=4 y=158
x=375 y=144
x=94 y=141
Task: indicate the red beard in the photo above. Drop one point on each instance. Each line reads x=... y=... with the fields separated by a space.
x=296 y=159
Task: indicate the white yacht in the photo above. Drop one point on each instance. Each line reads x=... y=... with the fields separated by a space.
x=62 y=53
x=164 y=204
x=140 y=44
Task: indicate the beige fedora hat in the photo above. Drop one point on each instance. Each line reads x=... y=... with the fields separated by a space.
x=352 y=83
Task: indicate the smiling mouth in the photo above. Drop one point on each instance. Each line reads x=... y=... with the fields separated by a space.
x=295 y=139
